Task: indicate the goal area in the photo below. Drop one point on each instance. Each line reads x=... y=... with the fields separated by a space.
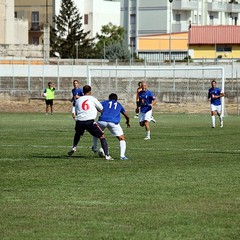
x=178 y=89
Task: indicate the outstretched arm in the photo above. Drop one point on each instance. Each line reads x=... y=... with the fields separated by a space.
x=127 y=119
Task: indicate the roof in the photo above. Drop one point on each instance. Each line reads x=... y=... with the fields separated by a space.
x=214 y=34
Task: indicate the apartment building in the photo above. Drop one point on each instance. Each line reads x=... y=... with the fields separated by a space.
x=10 y=27
x=149 y=17
x=38 y=13
x=96 y=13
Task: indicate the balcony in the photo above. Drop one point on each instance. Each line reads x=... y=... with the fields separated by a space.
x=36 y=26
x=217 y=7
x=233 y=7
x=185 y=4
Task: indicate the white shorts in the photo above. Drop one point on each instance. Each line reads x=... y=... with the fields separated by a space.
x=216 y=108
x=145 y=116
x=115 y=129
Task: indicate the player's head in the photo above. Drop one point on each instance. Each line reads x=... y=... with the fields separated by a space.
x=87 y=90
x=214 y=83
x=50 y=84
x=75 y=83
x=113 y=96
x=139 y=84
x=144 y=86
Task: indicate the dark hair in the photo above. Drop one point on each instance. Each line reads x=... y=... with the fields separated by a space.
x=86 y=89
x=139 y=84
x=49 y=83
x=113 y=96
x=214 y=81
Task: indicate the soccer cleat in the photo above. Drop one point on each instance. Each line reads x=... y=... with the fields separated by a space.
x=95 y=151
x=72 y=151
x=213 y=126
x=124 y=158
x=136 y=116
x=147 y=138
x=153 y=120
x=109 y=158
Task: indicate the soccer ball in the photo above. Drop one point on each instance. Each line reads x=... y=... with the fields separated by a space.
x=101 y=153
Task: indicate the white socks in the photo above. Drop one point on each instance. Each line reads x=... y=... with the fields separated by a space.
x=122 y=148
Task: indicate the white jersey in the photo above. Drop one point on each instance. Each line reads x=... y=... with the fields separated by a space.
x=86 y=108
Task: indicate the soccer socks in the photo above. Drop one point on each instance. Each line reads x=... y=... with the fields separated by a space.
x=148 y=134
x=213 y=121
x=122 y=148
x=104 y=146
x=95 y=143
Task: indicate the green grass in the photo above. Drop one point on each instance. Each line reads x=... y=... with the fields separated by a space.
x=182 y=184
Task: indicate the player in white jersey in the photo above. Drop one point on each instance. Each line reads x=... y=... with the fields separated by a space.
x=86 y=108
x=110 y=118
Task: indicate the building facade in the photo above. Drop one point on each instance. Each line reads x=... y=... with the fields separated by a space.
x=147 y=17
x=38 y=13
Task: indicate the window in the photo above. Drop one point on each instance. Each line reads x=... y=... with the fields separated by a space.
x=132 y=18
x=35 y=21
x=86 y=19
x=223 y=48
x=178 y=17
x=15 y=14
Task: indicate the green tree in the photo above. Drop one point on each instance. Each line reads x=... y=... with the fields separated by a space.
x=111 y=43
x=68 y=37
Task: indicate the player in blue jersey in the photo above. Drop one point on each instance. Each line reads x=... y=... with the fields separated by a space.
x=214 y=96
x=146 y=100
x=76 y=93
x=110 y=118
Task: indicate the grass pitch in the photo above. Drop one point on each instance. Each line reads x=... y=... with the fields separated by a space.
x=182 y=184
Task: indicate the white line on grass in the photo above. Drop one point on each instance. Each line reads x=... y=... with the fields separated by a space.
x=134 y=148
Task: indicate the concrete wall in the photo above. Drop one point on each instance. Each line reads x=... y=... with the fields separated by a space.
x=22 y=50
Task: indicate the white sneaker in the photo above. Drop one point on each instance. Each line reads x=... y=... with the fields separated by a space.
x=109 y=158
x=147 y=138
x=213 y=126
x=136 y=116
x=153 y=120
x=72 y=151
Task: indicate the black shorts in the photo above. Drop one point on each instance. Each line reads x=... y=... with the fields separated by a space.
x=90 y=126
x=49 y=102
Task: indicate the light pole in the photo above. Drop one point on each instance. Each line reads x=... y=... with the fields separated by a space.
x=170 y=31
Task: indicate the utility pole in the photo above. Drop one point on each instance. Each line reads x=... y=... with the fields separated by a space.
x=170 y=32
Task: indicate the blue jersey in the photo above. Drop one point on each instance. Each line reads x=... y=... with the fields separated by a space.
x=217 y=92
x=75 y=92
x=145 y=100
x=111 y=111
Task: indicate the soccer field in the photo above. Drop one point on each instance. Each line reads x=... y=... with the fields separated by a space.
x=182 y=184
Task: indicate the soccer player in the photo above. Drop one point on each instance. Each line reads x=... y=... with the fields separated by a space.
x=49 y=94
x=214 y=96
x=86 y=108
x=137 y=99
x=110 y=118
x=76 y=93
x=146 y=100
x=137 y=103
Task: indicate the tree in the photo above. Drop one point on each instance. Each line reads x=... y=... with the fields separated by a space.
x=111 y=43
x=68 y=37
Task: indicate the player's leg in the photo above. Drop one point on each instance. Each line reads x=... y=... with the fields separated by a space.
x=97 y=132
x=51 y=106
x=213 y=111
x=219 y=113
x=102 y=125
x=47 y=105
x=79 y=131
x=148 y=117
x=117 y=131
